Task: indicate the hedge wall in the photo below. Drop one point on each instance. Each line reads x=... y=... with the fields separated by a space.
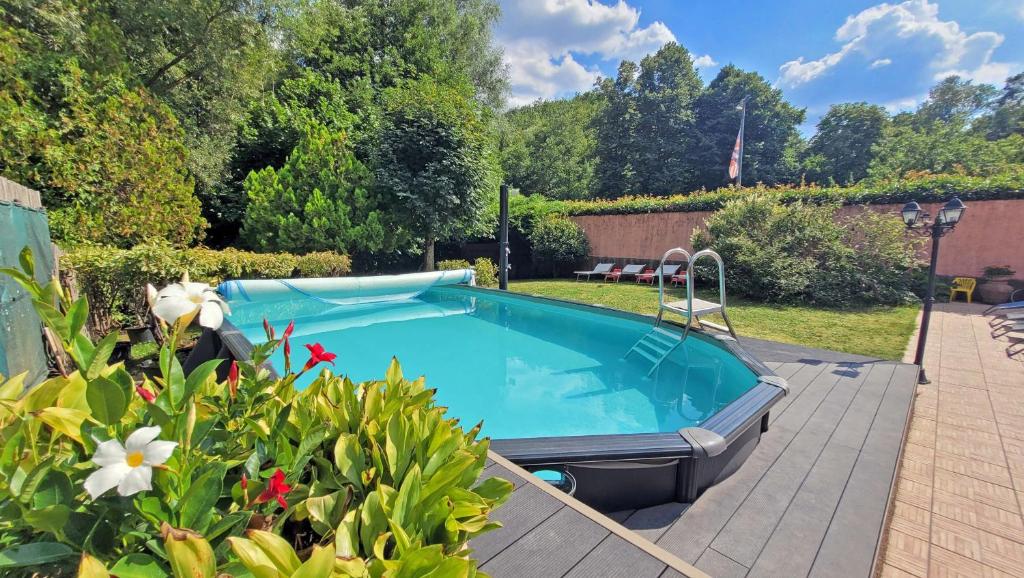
x=115 y=279
x=922 y=188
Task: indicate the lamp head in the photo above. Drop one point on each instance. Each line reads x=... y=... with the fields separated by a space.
x=951 y=213
x=911 y=213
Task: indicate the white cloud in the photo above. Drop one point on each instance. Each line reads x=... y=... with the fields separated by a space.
x=904 y=104
x=704 y=61
x=910 y=28
x=880 y=63
x=540 y=38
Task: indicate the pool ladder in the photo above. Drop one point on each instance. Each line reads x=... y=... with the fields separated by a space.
x=656 y=345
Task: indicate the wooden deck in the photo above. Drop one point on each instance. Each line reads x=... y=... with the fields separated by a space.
x=811 y=500
x=547 y=533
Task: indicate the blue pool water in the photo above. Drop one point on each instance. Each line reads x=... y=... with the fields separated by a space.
x=526 y=368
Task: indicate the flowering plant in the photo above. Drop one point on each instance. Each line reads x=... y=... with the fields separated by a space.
x=189 y=475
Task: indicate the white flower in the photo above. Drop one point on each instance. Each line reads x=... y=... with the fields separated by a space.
x=186 y=299
x=129 y=467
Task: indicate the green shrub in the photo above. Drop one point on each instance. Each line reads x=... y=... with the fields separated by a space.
x=252 y=477
x=115 y=279
x=323 y=264
x=486 y=272
x=453 y=265
x=558 y=242
x=798 y=252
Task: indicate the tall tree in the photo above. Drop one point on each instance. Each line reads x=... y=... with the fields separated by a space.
x=1007 y=117
x=376 y=44
x=615 y=128
x=771 y=132
x=666 y=141
x=548 y=147
x=433 y=161
x=955 y=100
x=841 y=149
x=320 y=199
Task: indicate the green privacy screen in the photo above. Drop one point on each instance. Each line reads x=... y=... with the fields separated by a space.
x=21 y=344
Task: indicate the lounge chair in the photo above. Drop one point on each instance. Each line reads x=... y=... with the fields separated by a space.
x=679 y=279
x=1002 y=307
x=601 y=269
x=627 y=271
x=665 y=271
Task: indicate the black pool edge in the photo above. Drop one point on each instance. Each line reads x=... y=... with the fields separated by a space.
x=613 y=472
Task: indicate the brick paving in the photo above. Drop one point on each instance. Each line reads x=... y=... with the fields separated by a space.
x=960 y=487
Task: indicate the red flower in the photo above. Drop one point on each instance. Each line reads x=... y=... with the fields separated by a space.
x=288 y=330
x=287 y=347
x=268 y=328
x=245 y=481
x=233 y=378
x=317 y=355
x=145 y=394
x=276 y=489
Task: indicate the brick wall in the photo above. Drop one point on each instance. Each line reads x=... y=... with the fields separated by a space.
x=991 y=233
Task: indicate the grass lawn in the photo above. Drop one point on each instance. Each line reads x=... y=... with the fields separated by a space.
x=875 y=331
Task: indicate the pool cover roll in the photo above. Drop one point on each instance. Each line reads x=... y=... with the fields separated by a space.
x=343 y=290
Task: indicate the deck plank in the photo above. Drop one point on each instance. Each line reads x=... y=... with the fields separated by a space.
x=617 y=558
x=533 y=555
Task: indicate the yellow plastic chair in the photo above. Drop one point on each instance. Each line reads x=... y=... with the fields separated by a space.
x=963 y=285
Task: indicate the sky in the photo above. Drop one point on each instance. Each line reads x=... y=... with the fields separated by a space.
x=818 y=52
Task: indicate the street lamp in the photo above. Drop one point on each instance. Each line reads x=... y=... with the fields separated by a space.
x=917 y=220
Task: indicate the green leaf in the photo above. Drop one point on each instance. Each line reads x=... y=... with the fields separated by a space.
x=50 y=519
x=408 y=496
x=496 y=490
x=55 y=489
x=33 y=554
x=277 y=549
x=175 y=380
x=27 y=262
x=199 y=376
x=54 y=320
x=348 y=456
x=197 y=503
x=101 y=355
x=318 y=565
x=138 y=566
x=78 y=315
x=106 y=400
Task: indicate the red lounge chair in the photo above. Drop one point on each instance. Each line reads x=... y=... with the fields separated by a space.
x=667 y=271
x=628 y=270
x=679 y=279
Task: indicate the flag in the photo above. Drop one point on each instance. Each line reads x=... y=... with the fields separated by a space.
x=734 y=161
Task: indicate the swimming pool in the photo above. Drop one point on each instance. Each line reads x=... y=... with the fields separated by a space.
x=550 y=381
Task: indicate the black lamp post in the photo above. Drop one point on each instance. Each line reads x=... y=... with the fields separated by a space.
x=917 y=220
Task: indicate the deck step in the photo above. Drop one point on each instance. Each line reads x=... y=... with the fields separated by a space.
x=700 y=307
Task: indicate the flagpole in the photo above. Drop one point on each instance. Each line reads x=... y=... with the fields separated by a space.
x=743 y=120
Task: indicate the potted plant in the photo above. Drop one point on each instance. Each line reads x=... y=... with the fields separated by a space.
x=996 y=288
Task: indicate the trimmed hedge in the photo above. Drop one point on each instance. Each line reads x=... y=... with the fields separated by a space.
x=114 y=279
x=922 y=188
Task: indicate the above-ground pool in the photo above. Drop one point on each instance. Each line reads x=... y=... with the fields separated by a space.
x=550 y=381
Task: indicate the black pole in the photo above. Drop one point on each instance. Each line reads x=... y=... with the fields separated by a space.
x=503 y=238
x=929 y=300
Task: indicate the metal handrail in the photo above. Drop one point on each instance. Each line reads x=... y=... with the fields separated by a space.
x=690 y=284
x=661 y=274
